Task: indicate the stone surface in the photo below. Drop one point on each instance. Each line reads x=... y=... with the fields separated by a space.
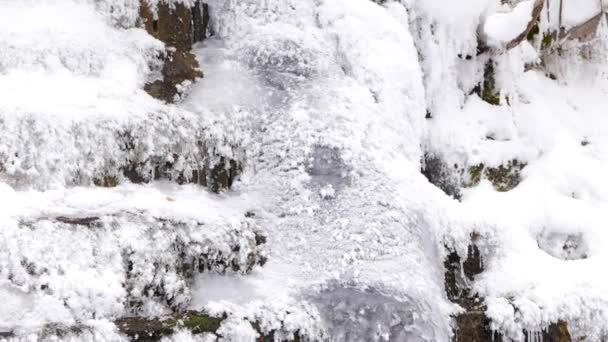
x=173 y=25
x=442 y=175
x=503 y=178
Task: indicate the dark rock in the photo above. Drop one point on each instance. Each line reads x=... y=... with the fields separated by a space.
x=442 y=175
x=173 y=25
x=557 y=332
x=487 y=89
x=6 y=334
x=216 y=177
x=79 y=221
x=179 y=66
x=474 y=326
x=154 y=329
x=200 y=21
x=457 y=287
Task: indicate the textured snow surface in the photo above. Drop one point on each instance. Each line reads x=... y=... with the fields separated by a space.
x=502 y=28
x=325 y=101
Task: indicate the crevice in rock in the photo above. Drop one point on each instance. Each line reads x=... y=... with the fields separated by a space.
x=473 y=325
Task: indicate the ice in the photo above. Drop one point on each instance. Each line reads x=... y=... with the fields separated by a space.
x=331 y=106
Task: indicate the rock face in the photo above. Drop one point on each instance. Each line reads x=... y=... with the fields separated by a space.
x=446 y=178
x=473 y=325
x=154 y=329
x=200 y=20
x=173 y=25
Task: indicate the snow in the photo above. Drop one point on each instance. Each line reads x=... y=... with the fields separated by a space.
x=579 y=11
x=325 y=103
x=502 y=28
x=101 y=69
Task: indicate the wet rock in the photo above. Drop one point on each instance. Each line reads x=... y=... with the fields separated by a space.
x=459 y=274
x=200 y=21
x=557 y=332
x=217 y=177
x=179 y=67
x=143 y=329
x=154 y=329
x=503 y=178
x=171 y=23
x=474 y=326
x=487 y=89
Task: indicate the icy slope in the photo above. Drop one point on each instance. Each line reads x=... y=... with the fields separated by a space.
x=329 y=109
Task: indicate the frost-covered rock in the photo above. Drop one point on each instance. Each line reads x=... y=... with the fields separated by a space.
x=327 y=110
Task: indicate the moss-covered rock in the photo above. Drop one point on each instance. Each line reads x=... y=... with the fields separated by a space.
x=154 y=329
x=489 y=92
x=503 y=178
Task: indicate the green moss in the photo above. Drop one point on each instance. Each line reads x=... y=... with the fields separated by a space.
x=547 y=40
x=533 y=32
x=475 y=173
x=199 y=323
x=503 y=178
x=489 y=93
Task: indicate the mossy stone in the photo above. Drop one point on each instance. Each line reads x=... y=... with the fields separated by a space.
x=503 y=178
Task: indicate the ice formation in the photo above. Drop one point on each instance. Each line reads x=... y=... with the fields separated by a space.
x=344 y=170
